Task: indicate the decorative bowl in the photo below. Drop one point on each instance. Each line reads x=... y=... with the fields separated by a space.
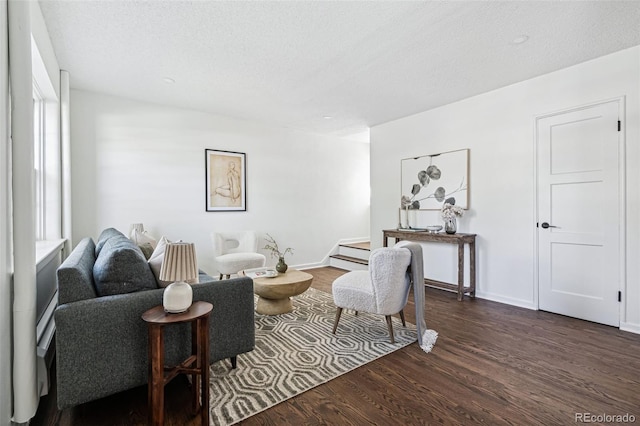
x=434 y=228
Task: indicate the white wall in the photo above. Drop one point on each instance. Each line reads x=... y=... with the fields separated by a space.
x=138 y=162
x=498 y=127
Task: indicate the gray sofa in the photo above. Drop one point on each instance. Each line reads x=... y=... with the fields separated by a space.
x=101 y=340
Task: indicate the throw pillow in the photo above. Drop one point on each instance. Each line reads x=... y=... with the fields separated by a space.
x=155 y=261
x=121 y=268
x=142 y=238
x=104 y=237
x=147 y=250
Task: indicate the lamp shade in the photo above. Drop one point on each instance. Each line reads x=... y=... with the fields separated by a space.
x=179 y=262
x=179 y=265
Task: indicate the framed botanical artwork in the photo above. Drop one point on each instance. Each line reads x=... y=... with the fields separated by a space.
x=226 y=181
x=428 y=181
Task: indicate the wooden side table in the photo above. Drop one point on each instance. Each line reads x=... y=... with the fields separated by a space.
x=197 y=364
x=459 y=239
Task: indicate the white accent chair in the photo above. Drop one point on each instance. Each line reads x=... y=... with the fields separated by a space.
x=383 y=289
x=236 y=251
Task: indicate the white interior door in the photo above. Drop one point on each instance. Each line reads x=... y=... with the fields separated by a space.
x=579 y=204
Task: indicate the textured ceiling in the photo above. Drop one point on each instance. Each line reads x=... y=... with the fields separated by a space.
x=293 y=63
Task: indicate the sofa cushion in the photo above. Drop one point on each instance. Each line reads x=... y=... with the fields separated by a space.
x=75 y=275
x=121 y=268
x=104 y=237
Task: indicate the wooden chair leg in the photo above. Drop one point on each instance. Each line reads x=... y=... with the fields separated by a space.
x=335 y=323
x=388 y=318
x=221 y=277
x=404 y=323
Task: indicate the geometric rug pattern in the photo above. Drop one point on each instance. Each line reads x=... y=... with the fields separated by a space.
x=295 y=352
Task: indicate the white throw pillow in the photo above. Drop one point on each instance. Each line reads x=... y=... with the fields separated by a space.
x=142 y=237
x=155 y=261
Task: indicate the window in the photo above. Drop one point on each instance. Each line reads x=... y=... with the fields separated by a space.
x=38 y=161
x=46 y=152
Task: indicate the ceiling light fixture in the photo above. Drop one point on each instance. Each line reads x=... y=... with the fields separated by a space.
x=168 y=80
x=520 y=39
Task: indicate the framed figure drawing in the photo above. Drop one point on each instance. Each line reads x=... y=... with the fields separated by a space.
x=226 y=181
x=429 y=181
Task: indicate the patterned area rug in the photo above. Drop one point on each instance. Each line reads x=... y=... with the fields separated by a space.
x=295 y=352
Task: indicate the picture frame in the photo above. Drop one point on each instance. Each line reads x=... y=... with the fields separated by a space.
x=226 y=181
x=428 y=181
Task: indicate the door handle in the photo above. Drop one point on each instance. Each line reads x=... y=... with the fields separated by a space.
x=545 y=225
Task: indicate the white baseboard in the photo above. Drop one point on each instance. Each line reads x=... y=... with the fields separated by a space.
x=527 y=304
x=630 y=327
x=304 y=266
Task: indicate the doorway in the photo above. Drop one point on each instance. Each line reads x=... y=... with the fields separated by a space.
x=580 y=226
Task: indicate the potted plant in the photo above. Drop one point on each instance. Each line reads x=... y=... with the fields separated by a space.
x=272 y=246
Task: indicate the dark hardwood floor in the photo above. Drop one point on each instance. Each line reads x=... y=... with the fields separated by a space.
x=493 y=364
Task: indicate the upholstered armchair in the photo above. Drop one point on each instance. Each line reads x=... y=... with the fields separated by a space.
x=383 y=289
x=236 y=251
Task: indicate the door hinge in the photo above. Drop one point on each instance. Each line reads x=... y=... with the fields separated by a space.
x=619 y=125
x=619 y=296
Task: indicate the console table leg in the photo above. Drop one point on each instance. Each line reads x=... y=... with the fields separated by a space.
x=460 y=272
x=472 y=268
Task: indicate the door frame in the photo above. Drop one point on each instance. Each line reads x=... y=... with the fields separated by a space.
x=622 y=199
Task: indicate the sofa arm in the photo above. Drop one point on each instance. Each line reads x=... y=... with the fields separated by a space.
x=101 y=343
x=232 y=322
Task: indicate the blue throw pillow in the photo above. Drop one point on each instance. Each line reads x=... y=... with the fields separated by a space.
x=104 y=237
x=121 y=268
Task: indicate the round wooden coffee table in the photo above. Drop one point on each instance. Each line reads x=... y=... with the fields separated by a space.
x=274 y=294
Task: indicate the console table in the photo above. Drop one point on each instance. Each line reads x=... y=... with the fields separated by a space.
x=459 y=239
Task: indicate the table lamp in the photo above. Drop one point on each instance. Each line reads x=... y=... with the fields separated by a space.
x=179 y=265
